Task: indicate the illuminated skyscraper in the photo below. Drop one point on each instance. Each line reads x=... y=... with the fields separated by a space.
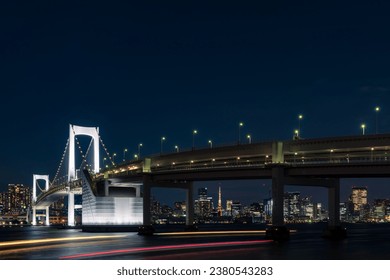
x=2 y=202
x=229 y=207
x=202 y=193
x=219 y=202
x=292 y=205
x=204 y=204
x=236 y=208
x=359 y=198
x=18 y=199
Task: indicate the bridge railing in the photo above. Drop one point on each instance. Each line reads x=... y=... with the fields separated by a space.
x=262 y=161
x=294 y=159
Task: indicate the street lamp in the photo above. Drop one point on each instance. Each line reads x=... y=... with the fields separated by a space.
x=124 y=154
x=139 y=149
x=249 y=138
x=193 y=138
x=162 y=140
x=300 y=117
x=241 y=124
x=377 y=110
x=296 y=134
x=135 y=156
x=211 y=144
x=113 y=158
x=177 y=148
x=363 y=126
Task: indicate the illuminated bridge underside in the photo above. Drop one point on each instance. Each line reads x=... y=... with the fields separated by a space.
x=105 y=210
x=57 y=192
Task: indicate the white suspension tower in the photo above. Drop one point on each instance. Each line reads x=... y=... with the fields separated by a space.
x=34 y=209
x=75 y=130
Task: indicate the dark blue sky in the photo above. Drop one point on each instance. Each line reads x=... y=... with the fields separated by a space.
x=140 y=71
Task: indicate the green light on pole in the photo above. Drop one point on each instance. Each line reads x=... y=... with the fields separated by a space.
x=377 y=110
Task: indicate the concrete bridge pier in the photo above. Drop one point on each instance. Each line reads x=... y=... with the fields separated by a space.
x=147 y=190
x=47 y=222
x=146 y=228
x=34 y=216
x=334 y=203
x=71 y=209
x=190 y=207
x=334 y=229
x=278 y=231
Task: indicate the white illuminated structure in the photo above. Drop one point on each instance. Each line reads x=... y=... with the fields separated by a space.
x=106 y=202
x=118 y=204
x=93 y=132
x=75 y=130
x=35 y=179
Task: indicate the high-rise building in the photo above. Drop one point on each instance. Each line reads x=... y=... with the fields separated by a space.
x=219 y=202
x=307 y=209
x=155 y=207
x=343 y=212
x=379 y=210
x=203 y=206
x=236 y=208
x=17 y=200
x=2 y=202
x=202 y=193
x=268 y=204
x=179 y=209
x=229 y=207
x=292 y=207
x=359 y=198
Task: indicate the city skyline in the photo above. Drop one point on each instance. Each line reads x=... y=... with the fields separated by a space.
x=140 y=74
x=230 y=192
x=15 y=205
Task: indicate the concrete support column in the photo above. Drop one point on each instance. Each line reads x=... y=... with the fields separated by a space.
x=190 y=205
x=334 y=229
x=146 y=202
x=47 y=216
x=71 y=209
x=278 y=196
x=34 y=216
x=138 y=191
x=334 y=204
x=106 y=186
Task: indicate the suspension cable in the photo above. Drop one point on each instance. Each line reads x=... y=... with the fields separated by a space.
x=108 y=154
x=86 y=154
x=39 y=187
x=61 y=162
x=81 y=152
x=83 y=156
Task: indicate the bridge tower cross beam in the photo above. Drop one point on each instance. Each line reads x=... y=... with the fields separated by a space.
x=93 y=132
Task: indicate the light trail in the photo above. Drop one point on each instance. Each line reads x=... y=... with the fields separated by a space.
x=51 y=240
x=211 y=232
x=167 y=247
x=215 y=232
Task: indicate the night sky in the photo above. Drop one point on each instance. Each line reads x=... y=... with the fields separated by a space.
x=140 y=71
